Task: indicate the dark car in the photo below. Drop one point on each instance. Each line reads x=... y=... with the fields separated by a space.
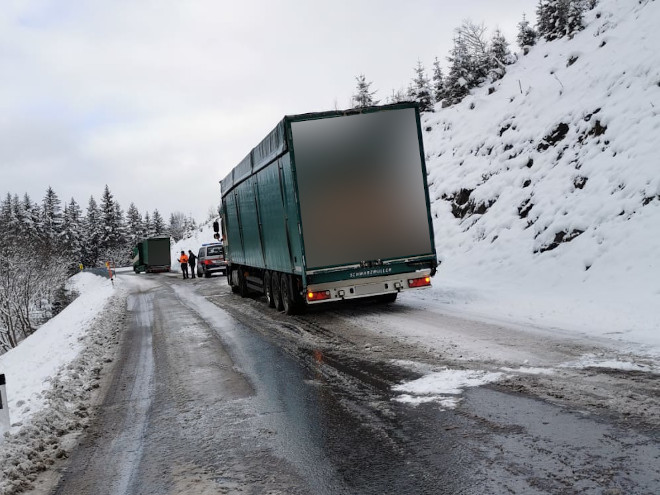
x=211 y=259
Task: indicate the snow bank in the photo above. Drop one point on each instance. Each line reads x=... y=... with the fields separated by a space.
x=546 y=193
x=30 y=367
x=51 y=379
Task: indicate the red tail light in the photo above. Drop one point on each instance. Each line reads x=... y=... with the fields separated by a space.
x=318 y=296
x=208 y=262
x=419 y=282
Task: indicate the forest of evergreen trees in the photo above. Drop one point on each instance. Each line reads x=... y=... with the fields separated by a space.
x=475 y=60
x=43 y=243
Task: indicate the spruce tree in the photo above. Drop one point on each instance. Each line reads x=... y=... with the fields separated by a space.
x=158 y=224
x=457 y=83
x=559 y=18
x=8 y=223
x=422 y=93
x=527 y=36
x=574 y=21
x=28 y=219
x=364 y=97
x=120 y=231
x=92 y=234
x=543 y=19
x=72 y=232
x=109 y=220
x=148 y=226
x=499 y=55
x=438 y=81
x=51 y=222
x=134 y=227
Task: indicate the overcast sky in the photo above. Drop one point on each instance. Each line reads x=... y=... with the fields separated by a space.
x=160 y=99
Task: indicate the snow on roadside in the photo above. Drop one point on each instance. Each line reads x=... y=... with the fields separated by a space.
x=444 y=387
x=31 y=366
x=52 y=376
x=545 y=187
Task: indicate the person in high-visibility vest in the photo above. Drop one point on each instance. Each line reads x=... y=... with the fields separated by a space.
x=183 y=259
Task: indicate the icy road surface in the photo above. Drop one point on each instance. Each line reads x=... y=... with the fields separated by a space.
x=217 y=394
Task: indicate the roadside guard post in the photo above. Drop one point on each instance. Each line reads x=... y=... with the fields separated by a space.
x=4 y=406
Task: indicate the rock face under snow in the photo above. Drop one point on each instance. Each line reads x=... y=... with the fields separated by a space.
x=551 y=184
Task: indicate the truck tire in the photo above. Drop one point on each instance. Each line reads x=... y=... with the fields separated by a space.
x=288 y=302
x=242 y=286
x=232 y=277
x=277 y=292
x=268 y=289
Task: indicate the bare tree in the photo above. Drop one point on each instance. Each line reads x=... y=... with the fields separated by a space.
x=28 y=286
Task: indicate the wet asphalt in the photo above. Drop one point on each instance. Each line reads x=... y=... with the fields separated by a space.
x=211 y=395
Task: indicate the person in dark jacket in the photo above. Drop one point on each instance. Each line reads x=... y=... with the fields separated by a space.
x=192 y=261
x=183 y=259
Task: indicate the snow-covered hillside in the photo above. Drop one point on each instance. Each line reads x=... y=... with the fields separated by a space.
x=545 y=186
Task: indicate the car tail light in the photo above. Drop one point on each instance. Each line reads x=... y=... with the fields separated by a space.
x=419 y=282
x=318 y=295
x=208 y=262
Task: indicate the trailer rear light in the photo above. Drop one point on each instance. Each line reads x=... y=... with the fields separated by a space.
x=419 y=282
x=318 y=296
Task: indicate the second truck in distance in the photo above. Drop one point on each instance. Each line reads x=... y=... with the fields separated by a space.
x=331 y=206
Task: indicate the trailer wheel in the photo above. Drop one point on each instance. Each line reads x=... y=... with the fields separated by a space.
x=268 y=289
x=242 y=286
x=288 y=302
x=277 y=291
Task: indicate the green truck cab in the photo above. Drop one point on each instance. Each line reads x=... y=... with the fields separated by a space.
x=331 y=206
x=152 y=255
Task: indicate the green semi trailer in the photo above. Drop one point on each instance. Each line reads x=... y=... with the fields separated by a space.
x=152 y=255
x=331 y=206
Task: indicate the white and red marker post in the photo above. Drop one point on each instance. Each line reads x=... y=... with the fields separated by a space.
x=4 y=406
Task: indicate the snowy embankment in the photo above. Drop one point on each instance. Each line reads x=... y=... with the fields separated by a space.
x=51 y=377
x=546 y=192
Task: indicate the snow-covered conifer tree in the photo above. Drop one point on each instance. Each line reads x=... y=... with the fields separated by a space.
x=108 y=220
x=559 y=18
x=92 y=233
x=457 y=83
x=51 y=222
x=158 y=225
x=500 y=55
x=544 y=25
x=72 y=232
x=134 y=227
x=422 y=92
x=438 y=81
x=527 y=36
x=574 y=17
x=29 y=218
x=147 y=225
x=364 y=97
